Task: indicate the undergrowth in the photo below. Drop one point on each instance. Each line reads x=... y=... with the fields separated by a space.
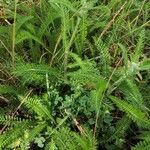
x=74 y=75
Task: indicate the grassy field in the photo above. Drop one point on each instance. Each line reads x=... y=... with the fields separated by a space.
x=74 y=75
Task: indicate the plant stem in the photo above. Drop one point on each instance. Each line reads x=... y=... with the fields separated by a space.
x=14 y=35
x=69 y=45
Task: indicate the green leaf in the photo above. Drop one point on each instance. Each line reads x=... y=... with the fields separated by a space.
x=25 y=35
x=139 y=47
x=7 y=89
x=40 y=141
x=145 y=64
x=22 y=20
x=65 y=3
x=133 y=112
x=124 y=54
x=97 y=95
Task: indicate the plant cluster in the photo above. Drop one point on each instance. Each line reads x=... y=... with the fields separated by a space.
x=74 y=75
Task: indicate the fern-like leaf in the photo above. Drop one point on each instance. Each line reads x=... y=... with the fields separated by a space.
x=139 y=47
x=35 y=105
x=132 y=112
x=144 y=144
x=35 y=72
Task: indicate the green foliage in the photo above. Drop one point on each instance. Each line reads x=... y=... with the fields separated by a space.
x=35 y=72
x=7 y=89
x=65 y=139
x=134 y=113
x=87 y=73
x=144 y=144
x=139 y=47
x=74 y=74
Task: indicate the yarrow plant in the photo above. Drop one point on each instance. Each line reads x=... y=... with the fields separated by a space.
x=74 y=75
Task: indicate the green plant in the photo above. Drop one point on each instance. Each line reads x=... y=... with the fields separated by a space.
x=74 y=74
